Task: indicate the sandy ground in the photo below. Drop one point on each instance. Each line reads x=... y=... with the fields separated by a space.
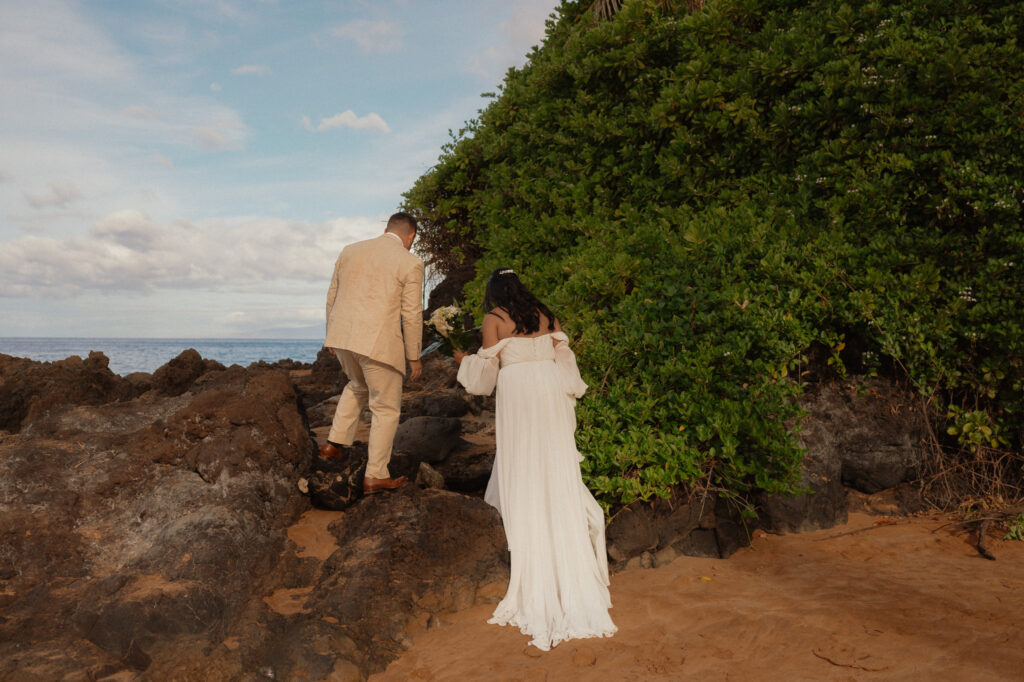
x=879 y=598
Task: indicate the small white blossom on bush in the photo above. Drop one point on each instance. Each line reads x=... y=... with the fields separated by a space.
x=967 y=294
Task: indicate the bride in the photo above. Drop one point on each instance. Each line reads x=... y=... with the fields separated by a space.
x=558 y=587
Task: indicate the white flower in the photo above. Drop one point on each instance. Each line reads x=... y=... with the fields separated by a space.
x=443 y=319
x=967 y=294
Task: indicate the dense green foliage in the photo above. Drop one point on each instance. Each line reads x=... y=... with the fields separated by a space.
x=705 y=197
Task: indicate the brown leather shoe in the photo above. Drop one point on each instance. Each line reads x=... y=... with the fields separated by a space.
x=328 y=451
x=375 y=485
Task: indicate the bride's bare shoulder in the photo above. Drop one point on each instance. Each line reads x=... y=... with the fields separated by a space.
x=493 y=327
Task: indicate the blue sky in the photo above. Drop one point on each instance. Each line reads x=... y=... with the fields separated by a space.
x=191 y=168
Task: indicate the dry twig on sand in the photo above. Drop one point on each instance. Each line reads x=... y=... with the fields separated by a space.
x=848 y=665
x=878 y=524
x=981 y=526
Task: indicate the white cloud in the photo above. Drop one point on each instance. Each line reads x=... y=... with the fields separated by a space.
x=251 y=70
x=215 y=87
x=214 y=140
x=128 y=251
x=87 y=128
x=371 y=36
x=140 y=111
x=128 y=228
x=59 y=193
x=523 y=29
x=222 y=130
x=44 y=38
x=348 y=119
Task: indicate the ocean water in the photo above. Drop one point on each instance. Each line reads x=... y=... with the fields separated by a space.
x=145 y=355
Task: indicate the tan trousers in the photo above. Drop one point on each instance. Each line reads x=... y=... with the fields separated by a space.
x=373 y=384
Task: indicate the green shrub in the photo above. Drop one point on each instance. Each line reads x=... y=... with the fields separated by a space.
x=704 y=197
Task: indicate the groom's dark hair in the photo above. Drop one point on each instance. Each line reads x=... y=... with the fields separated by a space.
x=402 y=222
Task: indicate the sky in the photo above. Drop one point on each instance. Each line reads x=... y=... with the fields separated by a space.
x=191 y=168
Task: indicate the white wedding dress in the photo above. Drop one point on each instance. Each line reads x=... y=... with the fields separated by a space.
x=558 y=587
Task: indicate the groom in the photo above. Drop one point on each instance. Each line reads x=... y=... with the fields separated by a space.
x=374 y=325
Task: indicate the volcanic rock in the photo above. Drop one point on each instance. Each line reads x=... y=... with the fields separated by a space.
x=152 y=538
x=139 y=528
x=876 y=433
x=418 y=552
x=428 y=439
x=325 y=380
x=696 y=526
x=467 y=469
x=451 y=288
x=444 y=405
x=429 y=477
x=28 y=388
x=177 y=376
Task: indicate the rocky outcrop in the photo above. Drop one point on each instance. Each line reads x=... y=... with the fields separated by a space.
x=323 y=381
x=429 y=439
x=177 y=376
x=155 y=535
x=136 y=528
x=865 y=437
x=450 y=289
x=28 y=389
x=647 y=534
x=404 y=558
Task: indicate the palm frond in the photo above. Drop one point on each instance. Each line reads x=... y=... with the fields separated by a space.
x=606 y=9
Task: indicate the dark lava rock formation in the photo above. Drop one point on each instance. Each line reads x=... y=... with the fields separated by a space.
x=150 y=536
x=28 y=388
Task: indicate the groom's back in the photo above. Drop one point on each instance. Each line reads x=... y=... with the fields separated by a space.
x=366 y=313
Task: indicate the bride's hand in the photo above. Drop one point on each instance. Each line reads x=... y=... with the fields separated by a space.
x=458 y=355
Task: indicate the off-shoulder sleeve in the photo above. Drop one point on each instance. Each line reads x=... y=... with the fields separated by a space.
x=565 y=360
x=479 y=373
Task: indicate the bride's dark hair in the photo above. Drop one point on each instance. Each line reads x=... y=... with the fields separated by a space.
x=505 y=291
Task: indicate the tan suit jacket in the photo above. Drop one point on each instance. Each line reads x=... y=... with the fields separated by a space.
x=375 y=299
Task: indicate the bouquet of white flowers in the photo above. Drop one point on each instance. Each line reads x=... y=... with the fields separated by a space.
x=449 y=322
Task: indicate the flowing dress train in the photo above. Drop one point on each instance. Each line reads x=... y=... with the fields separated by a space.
x=558 y=586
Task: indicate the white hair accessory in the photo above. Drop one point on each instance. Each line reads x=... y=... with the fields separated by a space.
x=507 y=271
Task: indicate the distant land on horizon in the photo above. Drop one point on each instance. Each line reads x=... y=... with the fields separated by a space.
x=311 y=333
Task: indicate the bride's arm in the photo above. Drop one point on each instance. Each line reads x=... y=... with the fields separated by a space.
x=565 y=360
x=479 y=374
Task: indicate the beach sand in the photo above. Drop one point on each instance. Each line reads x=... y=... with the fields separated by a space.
x=881 y=598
